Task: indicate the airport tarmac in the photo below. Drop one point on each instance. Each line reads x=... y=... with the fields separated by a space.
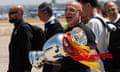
x=4 y=40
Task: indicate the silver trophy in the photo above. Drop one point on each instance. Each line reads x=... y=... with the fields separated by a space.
x=53 y=48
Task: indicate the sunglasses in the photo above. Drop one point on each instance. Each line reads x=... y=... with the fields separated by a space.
x=12 y=12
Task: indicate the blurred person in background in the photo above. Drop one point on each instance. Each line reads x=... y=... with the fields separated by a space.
x=111 y=10
x=92 y=11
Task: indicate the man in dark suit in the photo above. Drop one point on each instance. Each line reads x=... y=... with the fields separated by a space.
x=112 y=12
x=52 y=26
x=20 y=42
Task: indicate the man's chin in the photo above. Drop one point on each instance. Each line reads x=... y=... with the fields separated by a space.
x=11 y=21
x=70 y=22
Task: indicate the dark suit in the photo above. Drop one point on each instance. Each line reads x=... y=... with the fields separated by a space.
x=51 y=28
x=114 y=47
x=19 y=48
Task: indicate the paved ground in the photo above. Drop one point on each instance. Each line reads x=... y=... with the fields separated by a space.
x=3 y=53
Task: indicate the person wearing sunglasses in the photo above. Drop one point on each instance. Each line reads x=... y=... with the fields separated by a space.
x=20 y=41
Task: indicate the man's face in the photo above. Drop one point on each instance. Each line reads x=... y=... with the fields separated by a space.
x=42 y=15
x=13 y=15
x=86 y=10
x=71 y=14
x=111 y=9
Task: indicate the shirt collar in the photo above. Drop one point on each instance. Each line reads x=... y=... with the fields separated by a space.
x=50 y=19
x=118 y=16
x=96 y=15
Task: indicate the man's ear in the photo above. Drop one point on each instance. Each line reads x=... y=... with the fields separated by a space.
x=80 y=12
x=20 y=12
x=88 y=5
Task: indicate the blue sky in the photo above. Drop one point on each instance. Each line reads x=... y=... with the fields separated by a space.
x=29 y=2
